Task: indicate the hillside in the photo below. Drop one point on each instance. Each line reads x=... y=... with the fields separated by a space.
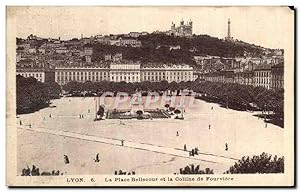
x=156 y=48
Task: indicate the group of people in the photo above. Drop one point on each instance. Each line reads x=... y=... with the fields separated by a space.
x=195 y=151
x=67 y=160
x=120 y=172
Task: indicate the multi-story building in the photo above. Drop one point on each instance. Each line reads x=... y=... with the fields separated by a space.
x=128 y=72
x=87 y=50
x=41 y=74
x=179 y=73
x=244 y=77
x=277 y=76
x=64 y=75
x=125 y=42
x=262 y=77
x=153 y=74
x=125 y=71
x=220 y=76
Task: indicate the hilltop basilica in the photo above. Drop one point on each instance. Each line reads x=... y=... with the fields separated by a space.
x=183 y=30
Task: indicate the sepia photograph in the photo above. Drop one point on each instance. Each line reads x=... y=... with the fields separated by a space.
x=150 y=96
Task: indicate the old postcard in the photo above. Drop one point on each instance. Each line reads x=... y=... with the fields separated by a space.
x=150 y=96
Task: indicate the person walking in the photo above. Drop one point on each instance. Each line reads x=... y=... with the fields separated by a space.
x=226 y=147
x=184 y=147
x=209 y=126
x=122 y=142
x=177 y=134
x=66 y=159
x=97 y=158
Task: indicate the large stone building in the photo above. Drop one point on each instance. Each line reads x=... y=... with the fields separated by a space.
x=128 y=72
x=183 y=30
x=125 y=71
x=168 y=73
x=41 y=74
x=64 y=75
x=262 y=77
x=277 y=76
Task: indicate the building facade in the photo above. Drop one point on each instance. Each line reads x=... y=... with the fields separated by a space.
x=42 y=75
x=277 y=76
x=129 y=72
x=262 y=77
x=64 y=75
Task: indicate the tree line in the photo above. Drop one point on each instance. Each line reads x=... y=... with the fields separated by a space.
x=231 y=95
x=263 y=163
x=33 y=95
x=244 y=97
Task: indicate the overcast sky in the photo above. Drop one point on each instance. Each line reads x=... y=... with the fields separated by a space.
x=262 y=26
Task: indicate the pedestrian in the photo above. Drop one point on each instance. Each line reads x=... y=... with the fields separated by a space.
x=29 y=125
x=89 y=111
x=122 y=142
x=196 y=150
x=82 y=116
x=50 y=115
x=177 y=134
x=193 y=152
x=66 y=159
x=266 y=125
x=184 y=147
x=97 y=158
x=212 y=108
x=226 y=147
x=79 y=116
x=209 y=126
x=20 y=122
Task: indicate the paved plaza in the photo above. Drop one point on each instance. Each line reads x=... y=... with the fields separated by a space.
x=149 y=146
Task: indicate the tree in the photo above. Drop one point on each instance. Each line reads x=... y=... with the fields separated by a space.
x=139 y=112
x=177 y=111
x=73 y=86
x=33 y=95
x=167 y=105
x=258 y=164
x=171 y=108
x=192 y=170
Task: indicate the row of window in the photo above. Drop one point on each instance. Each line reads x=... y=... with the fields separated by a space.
x=81 y=78
x=262 y=80
x=262 y=74
x=124 y=73
x=31 y=74
x=124 y=78
x=80 y=73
